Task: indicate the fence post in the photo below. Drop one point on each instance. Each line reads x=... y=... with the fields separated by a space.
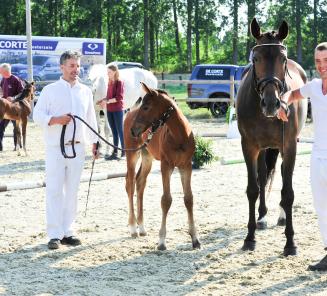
x=163 y=78
x=180 y=78
x=232 y=92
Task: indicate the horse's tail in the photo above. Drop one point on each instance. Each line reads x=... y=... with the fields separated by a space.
x=271 y=159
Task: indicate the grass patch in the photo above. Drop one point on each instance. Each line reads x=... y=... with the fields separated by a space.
x=180 y=95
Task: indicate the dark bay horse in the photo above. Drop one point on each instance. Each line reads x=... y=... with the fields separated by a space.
x=172 y=144
x=263 y=134
x=19 y=110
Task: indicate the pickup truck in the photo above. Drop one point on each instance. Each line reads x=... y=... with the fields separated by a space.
x=206 y=95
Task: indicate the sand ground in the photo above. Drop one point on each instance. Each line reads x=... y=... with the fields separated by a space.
x=110 y=262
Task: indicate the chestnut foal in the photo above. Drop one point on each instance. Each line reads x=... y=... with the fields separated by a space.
x=172 y=144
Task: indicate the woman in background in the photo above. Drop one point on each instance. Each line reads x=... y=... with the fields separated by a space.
x=115 y=109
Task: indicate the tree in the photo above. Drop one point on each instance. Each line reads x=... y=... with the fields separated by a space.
x=189 y=34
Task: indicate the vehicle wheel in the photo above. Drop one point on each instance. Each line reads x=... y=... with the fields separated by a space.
x=218 y=109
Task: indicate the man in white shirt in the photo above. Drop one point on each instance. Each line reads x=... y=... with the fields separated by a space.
x=65 y=96
x=317 y=91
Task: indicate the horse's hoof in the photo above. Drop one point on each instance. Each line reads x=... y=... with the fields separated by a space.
x=134 y=235
x=196 y=244
x=290 y=251
x=144 y=233
x=162 y=247
x=262 y=225
x=248 y=246
x=281 y=222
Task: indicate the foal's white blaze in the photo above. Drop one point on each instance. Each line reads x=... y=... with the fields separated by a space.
x=282 y=214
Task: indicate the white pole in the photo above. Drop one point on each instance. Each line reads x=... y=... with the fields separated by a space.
x=29 y=41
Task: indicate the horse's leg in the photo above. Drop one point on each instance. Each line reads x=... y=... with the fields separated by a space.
x=262 y=178
x=131 y=158
x=24 y=125
x=186 y=173
x=19 y=137
x=166 y=200
x=288 y=196
x=141 y=176
x=251 y=155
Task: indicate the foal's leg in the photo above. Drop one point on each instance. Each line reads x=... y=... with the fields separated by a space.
x=140 y=185
x=251 y=155
x=186 y=174
x=166 y=200
x=288 y=196
x=131 y=158
x=19 y=137
x=262 y=178
x=24 y=125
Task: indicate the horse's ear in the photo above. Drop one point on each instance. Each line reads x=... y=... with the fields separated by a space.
x=283 y=31
x=32 y=83
x=147 y=89
x=255 y=29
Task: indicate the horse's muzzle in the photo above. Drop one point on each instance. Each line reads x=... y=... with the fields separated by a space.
x=136 y=132
x=270 y=107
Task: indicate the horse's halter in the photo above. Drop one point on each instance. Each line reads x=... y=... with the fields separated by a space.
x=261 y=84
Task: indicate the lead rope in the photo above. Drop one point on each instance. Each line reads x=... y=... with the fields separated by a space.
x=88 y=190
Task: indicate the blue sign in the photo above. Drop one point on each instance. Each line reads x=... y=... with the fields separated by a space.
x=92 y=48
x=21 y=44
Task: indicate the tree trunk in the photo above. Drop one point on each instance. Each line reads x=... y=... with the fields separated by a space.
x=315 y=22
x=298 y=31
x=109 y=32
x=251 y=15
x=235 y=31
x=99 y=19
x=197 y=34
x=189 y=34
x=178 y=46
x=146 y=34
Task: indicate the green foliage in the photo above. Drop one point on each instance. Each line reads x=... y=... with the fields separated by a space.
x=203 y=152
x=121 y=23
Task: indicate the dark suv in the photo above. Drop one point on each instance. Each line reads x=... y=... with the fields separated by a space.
x=206 y=95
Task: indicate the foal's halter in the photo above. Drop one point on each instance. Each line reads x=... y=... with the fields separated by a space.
x=262 y=83
x=154 y=127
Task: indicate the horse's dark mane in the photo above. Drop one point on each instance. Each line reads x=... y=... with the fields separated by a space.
x=161 y=91
x=26 y=91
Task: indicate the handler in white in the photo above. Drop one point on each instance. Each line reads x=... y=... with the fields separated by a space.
x=65 y=96
x=317 y=91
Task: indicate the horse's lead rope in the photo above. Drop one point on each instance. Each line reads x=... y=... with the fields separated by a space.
x=73 y=117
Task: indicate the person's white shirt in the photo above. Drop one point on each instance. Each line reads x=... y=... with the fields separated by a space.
x=60 y=98
x=313 y=90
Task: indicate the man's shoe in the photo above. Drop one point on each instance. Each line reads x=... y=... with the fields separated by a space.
x=71 y=240
x=113 y=156
x=320 y=266
x=54 y=244
x=123 y=155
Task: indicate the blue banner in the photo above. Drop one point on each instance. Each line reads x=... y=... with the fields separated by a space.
x=92 y=48
x=21 y=44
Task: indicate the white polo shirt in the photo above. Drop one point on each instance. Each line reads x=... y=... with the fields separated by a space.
x=313 y=90
x=61 y=98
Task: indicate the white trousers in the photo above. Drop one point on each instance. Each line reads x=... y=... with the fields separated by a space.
x=62 y=180
x=318 y=175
